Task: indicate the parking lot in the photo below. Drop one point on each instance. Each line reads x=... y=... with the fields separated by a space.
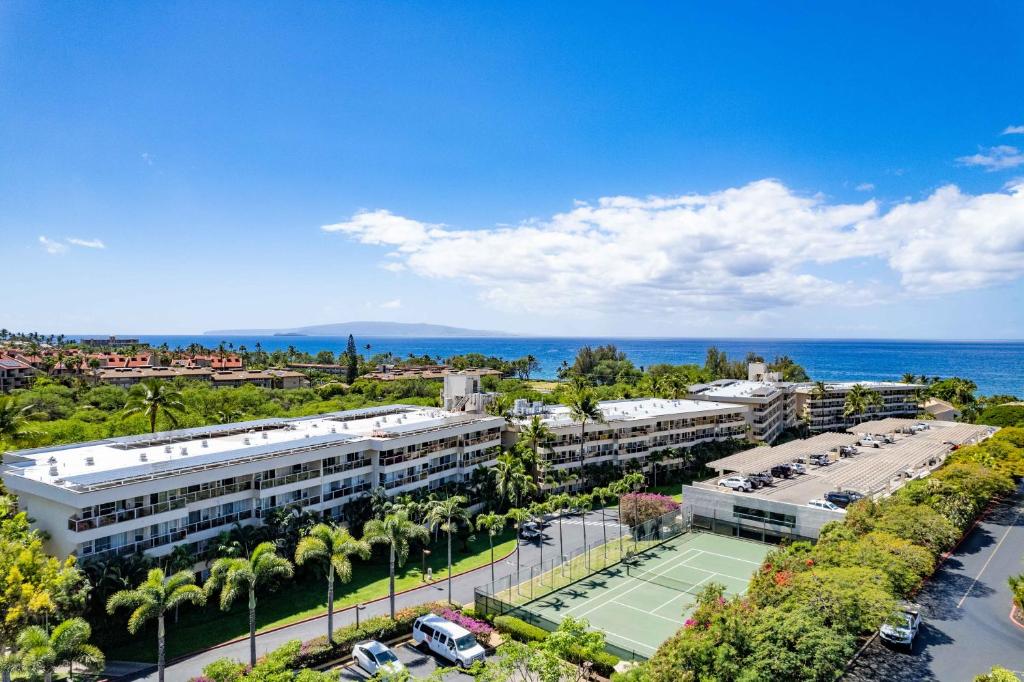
x=421 y=664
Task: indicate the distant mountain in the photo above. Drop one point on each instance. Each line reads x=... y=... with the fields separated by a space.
x=372 y=329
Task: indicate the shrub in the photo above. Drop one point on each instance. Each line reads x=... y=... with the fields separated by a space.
x=481 y=630
x=640 y=507
x=519 y=629
x=603 y=662
x=223 y=670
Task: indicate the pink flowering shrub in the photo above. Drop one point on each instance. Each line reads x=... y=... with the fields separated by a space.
x=481 y=630
x=640 y=507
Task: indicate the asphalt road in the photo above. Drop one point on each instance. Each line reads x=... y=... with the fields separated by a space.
x=420 y=663
x=462 y=593
x=966 y=606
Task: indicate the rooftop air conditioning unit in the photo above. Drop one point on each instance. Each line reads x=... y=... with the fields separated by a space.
x=265 y=436
x=183 y=451
x=89 y=461
x=334 y=430
x=167 y=449
x=245 y=440
x=205 y=443
x=142 y=457
x=53 y=471
x=345 y=426
x=52 y=460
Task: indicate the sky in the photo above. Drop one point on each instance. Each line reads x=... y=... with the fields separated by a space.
x=616 y=169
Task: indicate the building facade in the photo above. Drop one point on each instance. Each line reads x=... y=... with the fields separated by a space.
x=772 y=404
x=153 y=492
x=823 y=410
x=15 y=374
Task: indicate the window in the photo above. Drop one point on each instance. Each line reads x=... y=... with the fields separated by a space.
x=762 y=515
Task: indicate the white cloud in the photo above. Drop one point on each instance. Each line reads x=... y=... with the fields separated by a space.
x=51 y=246
x=865 y=187
x=147 y=158
x=392 y=304
x=87 y=243
x=995 y=158
x=1014 y=130
x=756 y=247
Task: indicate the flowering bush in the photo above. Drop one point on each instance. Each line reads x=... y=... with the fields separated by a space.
x=640 y=507
x=481 y=630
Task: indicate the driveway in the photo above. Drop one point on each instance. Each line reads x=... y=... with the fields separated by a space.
x=966 y=608
x=462 y=593
x=420 y=664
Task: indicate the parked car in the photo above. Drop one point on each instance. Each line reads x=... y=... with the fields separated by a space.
x=448 y=640
x=905 y=629
x=826 y=505
x=737 y=483
x=761 y=479
x=869 y=442
x=847 y=451
x=798 y=468
x=530 y=531
x=374 y=657
x=783 y=471
x=843 y=498
x=822 y=460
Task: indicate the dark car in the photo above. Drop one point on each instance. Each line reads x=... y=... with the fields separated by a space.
x=843 y=498
x=761 y=479
x=530 y=531
x=782 y=471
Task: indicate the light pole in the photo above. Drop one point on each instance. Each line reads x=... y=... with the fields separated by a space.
x=423 y=575
x=359 y=607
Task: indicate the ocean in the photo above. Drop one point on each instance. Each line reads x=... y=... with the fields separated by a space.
x=996 y=366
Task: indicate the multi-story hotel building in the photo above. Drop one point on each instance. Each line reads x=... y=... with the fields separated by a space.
x=155 y=491
x=772 y=404
x=633 y=429
x=824 y=412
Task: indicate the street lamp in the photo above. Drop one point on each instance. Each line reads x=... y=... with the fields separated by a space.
x=426 y=553
x=359 y=607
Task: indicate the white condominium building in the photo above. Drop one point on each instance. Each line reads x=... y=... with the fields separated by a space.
x=632 y=429
x=772 y=404
x=154 y=491
x=824 y=412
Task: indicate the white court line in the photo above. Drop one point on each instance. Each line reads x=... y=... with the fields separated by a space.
x=684 y=594
x=704 y=570
x=646 y=613
x=734 y=558
x=990 y=556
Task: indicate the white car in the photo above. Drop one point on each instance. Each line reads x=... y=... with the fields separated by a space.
x=870 y=442
x=737 y=483
x=374 y=657
x=904 y=631
x=826 y=505
x=798 y=467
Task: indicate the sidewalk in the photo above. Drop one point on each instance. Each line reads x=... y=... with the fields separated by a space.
x=462 y=592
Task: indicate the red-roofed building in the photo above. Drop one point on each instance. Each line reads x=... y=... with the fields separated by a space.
x=14 y=373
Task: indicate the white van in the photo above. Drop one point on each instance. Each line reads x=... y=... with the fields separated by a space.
x=447 y=639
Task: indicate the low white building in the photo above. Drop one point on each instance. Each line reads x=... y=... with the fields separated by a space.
x=824 y=411
x=154 y=491
x=772 y=404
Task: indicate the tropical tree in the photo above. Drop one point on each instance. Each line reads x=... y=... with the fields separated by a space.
x=512 y=483
x=68 y=644
x=156 y=398
x=447 y=515
x=233 y=576
x=397 y=532
x=13 y=420
x=583 y=407
x=820 y=390
x=333 y=546
x=493 y=524
x=535 y=434
x=518 y=516
x=157 y=594
x=908 y=378
x=859 y=400
x=628 y=484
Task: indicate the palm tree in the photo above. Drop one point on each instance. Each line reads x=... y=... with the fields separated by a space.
x=583 y=407
x=535 y=434
x=13 y=420
x=156 y=595
x=501 y=406
x=328 y=544
x=859 y=400
x=820 y=390
x=560 y=503
x=908 y=378
x=600 y=497
x=66 y=645
x=583 y=504
x=517 y=516
x=512 y=483
x=157 y=397
x=538 y=510
x=233 y=576
x=493 y=524
x=397 y=532
x=447 y=515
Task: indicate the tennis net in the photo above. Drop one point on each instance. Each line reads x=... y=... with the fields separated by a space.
x=662 y=580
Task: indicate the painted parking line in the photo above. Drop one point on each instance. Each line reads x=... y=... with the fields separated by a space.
x=990 y=556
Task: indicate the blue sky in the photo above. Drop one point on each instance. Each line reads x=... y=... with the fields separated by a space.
x=779 y=170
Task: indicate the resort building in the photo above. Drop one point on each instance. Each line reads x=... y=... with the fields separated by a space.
x=112 y=342
x=265 y=378
x=15 y=373
x=154 y=491
x=772 y=404
x=632 y=430
x=823 y=411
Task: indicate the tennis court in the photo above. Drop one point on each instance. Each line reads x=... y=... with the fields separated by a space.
x=641 y=603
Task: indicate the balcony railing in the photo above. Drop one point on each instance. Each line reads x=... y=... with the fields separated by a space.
x=346 y=466
x=289 y=478
x=390 y=485
x=346 y=491
x=132 y=548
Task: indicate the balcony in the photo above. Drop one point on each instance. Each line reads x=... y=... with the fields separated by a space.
x=78 y=525
x=290 y=478
x=346 y=491
x=347 y=466
x=397 y=483
x=132 y=548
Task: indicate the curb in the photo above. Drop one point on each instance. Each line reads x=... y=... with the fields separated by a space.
x=1015 y=617
x=277 y=628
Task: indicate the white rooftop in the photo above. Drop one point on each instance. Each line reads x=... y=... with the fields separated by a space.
x=636 y=409
x=847 y=385
x=149 y=455
x=736 y=388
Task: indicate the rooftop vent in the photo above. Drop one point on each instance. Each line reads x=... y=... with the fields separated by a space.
x=143 y=457
x=344 y=426
x=52 y=460
x=246 y=441
x=334 y=430
x=167 y=449
x=53 y=471
x=184 y=451
x=265 y=435
x=205 y=443
x=89 y=461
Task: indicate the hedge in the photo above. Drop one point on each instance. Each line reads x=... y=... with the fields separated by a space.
x=521 y=631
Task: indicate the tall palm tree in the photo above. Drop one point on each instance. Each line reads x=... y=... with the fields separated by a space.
x=517 y=516
x=512 y=483
x=156 y=397
x=493 y=524
x=153 y=598
x=68 y=644
x=583 y=407
x=536 y=434
x=908 y=378
x=859 y=400
x=447 y=515
x=560 y=503
x=326 y=544
x=234 y=576
x=397 y=532
x=13 y=420
x=538 y=510
x=820 y=390
x=583 y=504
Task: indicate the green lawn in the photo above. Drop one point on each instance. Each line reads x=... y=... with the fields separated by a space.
x=671 y=489
x=201 y=628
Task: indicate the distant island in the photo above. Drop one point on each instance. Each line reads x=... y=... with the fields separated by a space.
x=372 y=329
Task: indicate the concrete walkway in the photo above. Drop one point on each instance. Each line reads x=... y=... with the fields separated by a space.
x=462 y=592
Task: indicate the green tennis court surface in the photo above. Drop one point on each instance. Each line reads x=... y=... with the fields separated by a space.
x=641 y=604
